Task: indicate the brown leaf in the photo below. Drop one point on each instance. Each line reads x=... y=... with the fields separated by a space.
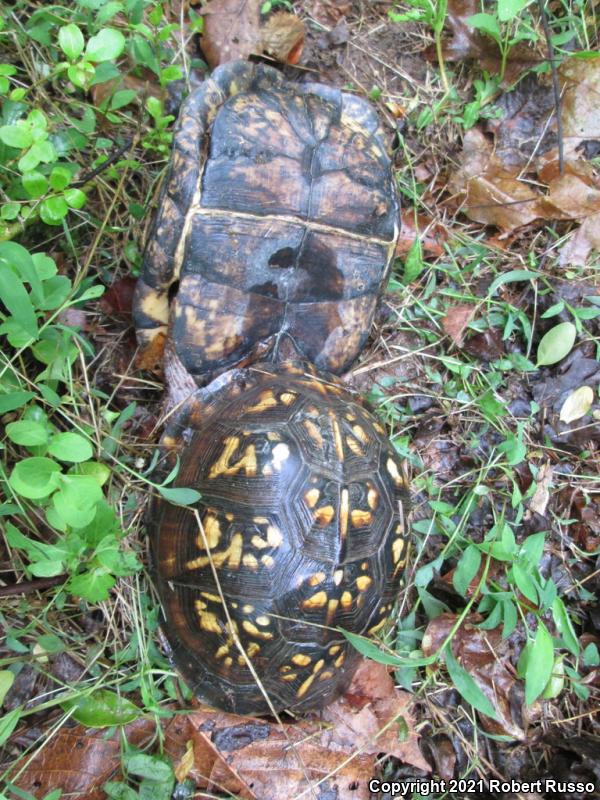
x=485 y=656
x=329 y=12
x=541 y=496
x=456 y=320
x=580 y=79
x=232 y=29
x=492 y=194
x=257 y=758
x=585 y=239
x=572 y=196
x=118 y=299
x=432 y=234
x=79 y=760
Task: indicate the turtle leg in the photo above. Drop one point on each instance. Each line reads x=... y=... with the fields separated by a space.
x=164 y=251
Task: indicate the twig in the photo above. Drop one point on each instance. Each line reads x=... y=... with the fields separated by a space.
x=37 y=585
x=555 y=86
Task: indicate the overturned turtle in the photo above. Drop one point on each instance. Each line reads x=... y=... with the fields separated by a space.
x=276 y=226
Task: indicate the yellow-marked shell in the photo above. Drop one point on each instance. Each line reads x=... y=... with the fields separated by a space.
x=302 y=531
x=276 y=226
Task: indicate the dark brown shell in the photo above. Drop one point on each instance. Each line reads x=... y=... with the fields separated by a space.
x=302 y=533
x=278 y=221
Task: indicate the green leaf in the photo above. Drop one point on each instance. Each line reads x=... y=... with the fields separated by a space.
x=100 y=472
x=102 y=709
x=53 y=210
x=16 y=299
x=75 y=198
x=466 y=569
x=556 y=344
x=122 y=98
x=70 y=447
x=6 y=681
x=27 y=433
x=152 y=768
x=486 y=23
x=540 y=661
x=509 y=9
x=77 y=499
x=34 y=183
x=565 y=626
x=35 y=477
x=466 y=686
x=116 y=790
x=13 y=400
x=414 y=264
x=71 y=41
x=60 y=178
x=525 y=583
x=184 y=497
x=8 y=723
x=107 y=45
x=17 y=136
x=533 y=548
x=370 y=650
x=93 y=585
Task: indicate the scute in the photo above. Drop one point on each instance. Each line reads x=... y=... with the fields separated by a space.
x=296 y=539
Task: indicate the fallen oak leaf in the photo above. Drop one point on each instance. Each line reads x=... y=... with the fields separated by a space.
x=431 y=234
x=585 y=239
x=234 y=29
x=456 y=320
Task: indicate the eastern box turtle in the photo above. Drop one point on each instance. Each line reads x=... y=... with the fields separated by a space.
x=276 y=226
x=300 y=531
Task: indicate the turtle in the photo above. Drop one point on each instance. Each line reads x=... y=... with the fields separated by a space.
x=276 y=227
x=300 y=534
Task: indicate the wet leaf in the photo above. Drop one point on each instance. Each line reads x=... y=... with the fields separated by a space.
x=577 y=404
x=456 y=320
x=556 y=344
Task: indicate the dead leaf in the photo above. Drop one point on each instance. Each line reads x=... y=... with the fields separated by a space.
x=541 y=496
x=431 y=234
x=585 y=239
x=337 y=754
x=233 y=29
x=491 y=193
x=577 y=404
x=580 y=79
x=456 y=320
x=485 y=656
x=118 y=298
x=80 y=760
x=329 y=12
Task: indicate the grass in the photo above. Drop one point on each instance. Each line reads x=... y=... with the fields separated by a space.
x=84 y=138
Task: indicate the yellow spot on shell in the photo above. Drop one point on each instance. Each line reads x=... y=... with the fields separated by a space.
x=251 y=628
x=212 y=530
x=339 y=660
x=250 y=561
x=305 y=686
x=228 y=662
x=338 y=576
x=337 y=436
x=263 y=620
x=252 y=649
x=260 y=520
x=397 y=548
x=232 y=555
x=267 y=470
x=360 y=519
x=344 y=503
x=373 y=499
x=324 y=676
x=248 y=609
x=331 y=609
x=259 y=543
x=392 y=468
x=222 y=466
x=346 y=600
x=318 y=600
x=363 y=582
x=334 y=649
x=273 y=436
x=313 y=432
x=265 y=401
x=208 y=620
x=274 y=537
x=267 y=561
x=301 y=660
x=311 y=497
x=360 y=434
x=317 y=578
x=222 y=651
x=354 y=446
x=287 y=398
x=291 y=676
x=324 y=515
x=318 y=666
x=214 y=598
